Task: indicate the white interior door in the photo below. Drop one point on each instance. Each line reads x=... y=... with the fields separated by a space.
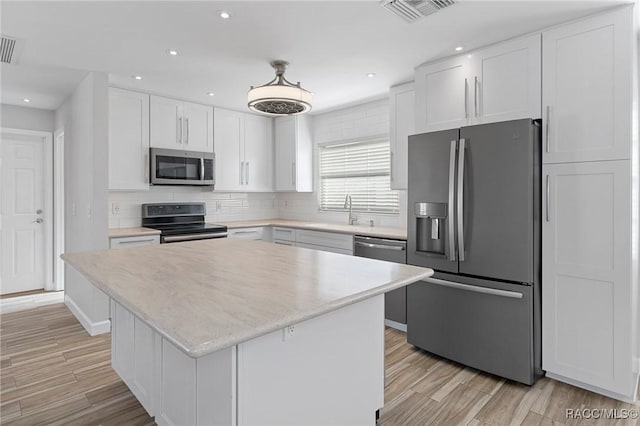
x=23 y=227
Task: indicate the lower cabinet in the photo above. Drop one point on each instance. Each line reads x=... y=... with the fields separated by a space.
x=317 y=240
x=126 y=242
x=256 y=233
x=589 y=296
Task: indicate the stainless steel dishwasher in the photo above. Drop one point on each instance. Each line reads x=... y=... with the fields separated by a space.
x=395 y=301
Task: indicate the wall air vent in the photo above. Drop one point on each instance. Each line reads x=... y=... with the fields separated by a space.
x=9 y=49
x=412 y=10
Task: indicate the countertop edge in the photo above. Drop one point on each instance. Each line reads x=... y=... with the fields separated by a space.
x=138 y=231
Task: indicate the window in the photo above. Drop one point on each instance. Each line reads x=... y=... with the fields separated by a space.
x=359 y=168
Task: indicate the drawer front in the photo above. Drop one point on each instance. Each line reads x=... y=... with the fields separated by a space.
x=126 y=242
x=284 y=242
x=325 y=248
x=326 y=239
x=284 y=234
x=247 y=233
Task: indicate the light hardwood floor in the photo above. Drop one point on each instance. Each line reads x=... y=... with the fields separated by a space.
x=52 y=372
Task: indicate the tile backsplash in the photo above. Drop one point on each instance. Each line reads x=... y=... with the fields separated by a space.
x=125 y=210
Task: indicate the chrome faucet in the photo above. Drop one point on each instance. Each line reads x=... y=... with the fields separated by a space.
x=347 y=201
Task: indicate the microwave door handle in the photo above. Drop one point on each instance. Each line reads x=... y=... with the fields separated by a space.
x=450 y=220
x=460 y=194
x=201 y=168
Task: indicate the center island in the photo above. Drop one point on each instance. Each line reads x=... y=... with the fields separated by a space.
x=239 y=332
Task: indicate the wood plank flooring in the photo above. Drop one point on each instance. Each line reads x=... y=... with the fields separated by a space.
x=52 y=372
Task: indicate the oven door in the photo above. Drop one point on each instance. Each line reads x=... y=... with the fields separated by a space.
x=175 y=167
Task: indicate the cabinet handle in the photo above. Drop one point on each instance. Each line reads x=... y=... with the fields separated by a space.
x=293 y=172
x=547 y=196
x=146 y=167
x=246 y=173
x=466 y=97
x=178 y=129
x=475 y=96
x=187 y=139
x=181 y=129
x=241 y=171
x=546 y=129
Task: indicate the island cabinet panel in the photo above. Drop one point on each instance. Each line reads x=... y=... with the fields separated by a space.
x=337 y=359
x=178 y=387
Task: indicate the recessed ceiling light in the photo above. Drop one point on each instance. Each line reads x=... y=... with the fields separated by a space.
x=27 y=100
x=224 y=14
x=459 y=48
x=137 y=77
x=371 y=75
x=211 y=94
x=172 y=52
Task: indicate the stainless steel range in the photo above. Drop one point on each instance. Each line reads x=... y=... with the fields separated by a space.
x=179 y=222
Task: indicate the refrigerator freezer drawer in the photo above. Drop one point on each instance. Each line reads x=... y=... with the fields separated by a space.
x=488 y=328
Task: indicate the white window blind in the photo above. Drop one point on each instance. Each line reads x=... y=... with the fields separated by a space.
x=361 y=169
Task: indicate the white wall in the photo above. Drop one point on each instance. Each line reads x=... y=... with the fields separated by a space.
x=84 y=117
x=17 y=117
x=220 y=206
x=369 y=119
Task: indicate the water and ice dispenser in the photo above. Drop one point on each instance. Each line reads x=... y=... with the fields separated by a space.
x=430 y=227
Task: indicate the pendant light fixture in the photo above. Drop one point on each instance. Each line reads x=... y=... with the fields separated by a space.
x=279 y=97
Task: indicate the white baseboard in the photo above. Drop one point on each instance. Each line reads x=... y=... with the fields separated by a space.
x=620 y=397
x=93 y=328
x=31 y=301
x=396 y=325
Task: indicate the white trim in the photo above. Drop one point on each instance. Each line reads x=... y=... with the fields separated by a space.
x=93 y=328
x=58 y=207
x=47 y=139
x=397 y=325
x=30 y=301
x=620 y=397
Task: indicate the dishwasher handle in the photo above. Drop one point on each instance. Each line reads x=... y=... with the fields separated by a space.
x=380 y=246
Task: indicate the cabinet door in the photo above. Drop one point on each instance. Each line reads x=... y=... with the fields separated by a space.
x=402 y=124
x=247 y=233
x=285 y=161
x=198 y=127
x=122 y=338
x=228 y=149
x=442 y=95
x=506 y=81
x=126 y=242
x=167 y=123
x=258 y=153
x=587 y=91
x=128 y=140
x=586 y=283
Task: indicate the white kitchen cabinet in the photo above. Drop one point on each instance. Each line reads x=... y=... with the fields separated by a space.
x=587 y=288
x=136 y=241
x=326 y=241
x=255 y=233
x=284 y=234
x=442 y=94
x=587 y=93
x=258 y=153
x=506 y=80
x=128 y=140
x=402 y=120
x=293 y=154
x=497 y=83
x=181 y=125
x=244 y=152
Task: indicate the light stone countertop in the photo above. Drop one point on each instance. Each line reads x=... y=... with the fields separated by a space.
x=132 y=232
x=369 y=231
x=207 y=295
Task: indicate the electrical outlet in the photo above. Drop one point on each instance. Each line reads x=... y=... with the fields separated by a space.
x=115 y=208
x=218 y=205
x=288 y=332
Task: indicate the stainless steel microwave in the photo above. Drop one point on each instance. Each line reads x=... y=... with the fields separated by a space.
x=176 y=167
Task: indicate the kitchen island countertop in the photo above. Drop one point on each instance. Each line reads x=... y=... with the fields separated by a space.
x=208 y=295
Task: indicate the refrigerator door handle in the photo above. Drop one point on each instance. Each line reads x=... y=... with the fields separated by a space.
x=460 y=194
x=452 y=190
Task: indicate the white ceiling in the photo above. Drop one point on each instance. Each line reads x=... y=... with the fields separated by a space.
x=331 y=45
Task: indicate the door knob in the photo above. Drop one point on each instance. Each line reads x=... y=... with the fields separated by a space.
x=39 y=211
x=38 y=220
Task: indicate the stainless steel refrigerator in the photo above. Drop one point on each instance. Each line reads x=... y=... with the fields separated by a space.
x=474 y=217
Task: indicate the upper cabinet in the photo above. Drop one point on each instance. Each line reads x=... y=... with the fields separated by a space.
x=128 y=140
x=181 y=125
x=294 y=154
x=588 y=88
x=402 y=124
x=498 y=83
x=244 y=151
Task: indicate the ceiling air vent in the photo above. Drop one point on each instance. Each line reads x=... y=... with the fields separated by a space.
x=412 y=10
x=9 y=48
